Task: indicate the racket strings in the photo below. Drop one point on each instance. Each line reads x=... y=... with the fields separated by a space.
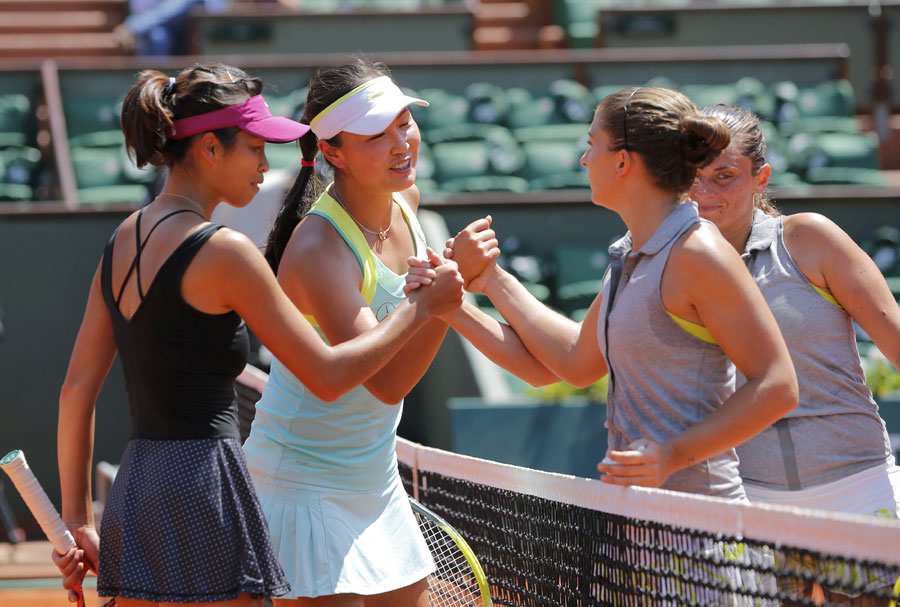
x=453 y=584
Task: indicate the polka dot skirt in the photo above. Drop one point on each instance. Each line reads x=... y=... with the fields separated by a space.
x=183 y=524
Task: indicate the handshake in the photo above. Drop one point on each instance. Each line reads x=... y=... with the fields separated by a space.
x=472 y=254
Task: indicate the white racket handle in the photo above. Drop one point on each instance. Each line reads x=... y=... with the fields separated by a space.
x=14 y=464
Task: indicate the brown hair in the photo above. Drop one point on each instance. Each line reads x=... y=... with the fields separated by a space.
x=749 y=140
x=666 y=129
x=325 y=88
x=153 y=104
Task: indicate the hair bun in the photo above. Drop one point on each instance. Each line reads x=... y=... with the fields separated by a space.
x=704 y=138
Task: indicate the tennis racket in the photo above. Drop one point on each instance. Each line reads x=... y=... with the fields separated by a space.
x=14 y=464
x=458 y=580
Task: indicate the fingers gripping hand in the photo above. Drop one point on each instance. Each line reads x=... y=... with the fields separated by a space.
x=420 y=273
x=445 y=293
x=644 y=463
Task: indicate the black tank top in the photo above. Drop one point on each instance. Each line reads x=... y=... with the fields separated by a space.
x=180 y=363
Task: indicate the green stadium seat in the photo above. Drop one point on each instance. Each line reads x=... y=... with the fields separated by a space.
x=15 y=192
x=711 y=94
x=784 y=178
x=111 y=194
x=93 y=121
x=809 y=151
x=488 y=103
x=445 y=109
x=485 y=183
x=858 y=150
x=579 y=274
x=104 y=174
x=457 y=153
x=547 y=158
x=883 y=246
x=845 y=175
x=574 y=101
x=579 y=20
x=565 y=181
x=820 y=124
x=20 y=164
x=15 y=119
x=468 y=131
x=526 y=109
x=574 y=133
x=833 y=98
x=755 y=96
x=460 y=159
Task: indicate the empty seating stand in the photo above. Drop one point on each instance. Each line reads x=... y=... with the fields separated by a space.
x=60 y=28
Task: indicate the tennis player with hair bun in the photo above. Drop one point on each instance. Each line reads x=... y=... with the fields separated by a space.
x=676 y=308
x=182 y=524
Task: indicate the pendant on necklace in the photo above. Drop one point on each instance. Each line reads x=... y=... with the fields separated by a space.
x=382 y=235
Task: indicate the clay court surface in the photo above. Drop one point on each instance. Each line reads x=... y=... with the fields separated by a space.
x=29 y=579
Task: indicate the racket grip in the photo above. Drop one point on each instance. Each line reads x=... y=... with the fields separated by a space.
x=14 y=464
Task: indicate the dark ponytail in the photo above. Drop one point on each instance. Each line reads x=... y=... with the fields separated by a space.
x=325 y=88
x=156 y=101
x=297 y=201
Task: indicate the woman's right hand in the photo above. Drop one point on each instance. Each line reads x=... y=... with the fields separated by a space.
x=75 y=563
x=475 y=249
x=445 y=293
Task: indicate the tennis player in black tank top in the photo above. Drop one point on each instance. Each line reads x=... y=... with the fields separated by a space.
x=182 y=524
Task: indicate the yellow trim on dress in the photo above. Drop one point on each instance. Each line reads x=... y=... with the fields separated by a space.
x=695 y=329
x=331 y=210
x=828 y=296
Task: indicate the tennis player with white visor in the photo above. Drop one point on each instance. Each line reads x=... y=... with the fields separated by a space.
x=326 y=472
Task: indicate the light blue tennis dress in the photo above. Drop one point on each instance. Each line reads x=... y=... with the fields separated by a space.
x=326 y=472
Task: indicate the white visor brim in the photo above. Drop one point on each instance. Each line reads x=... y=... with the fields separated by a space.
x=366 y=110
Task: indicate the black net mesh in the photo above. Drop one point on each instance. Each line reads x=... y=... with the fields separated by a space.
x=538 y=552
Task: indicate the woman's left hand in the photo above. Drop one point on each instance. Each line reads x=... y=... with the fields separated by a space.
x=420 y=272
x=645 y=463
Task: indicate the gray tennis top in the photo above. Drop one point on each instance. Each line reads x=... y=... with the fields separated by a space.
x=662 y=380
x=835 y=431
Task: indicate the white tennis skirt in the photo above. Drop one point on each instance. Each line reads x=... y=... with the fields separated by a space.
x=331 y=541
x=873 y=491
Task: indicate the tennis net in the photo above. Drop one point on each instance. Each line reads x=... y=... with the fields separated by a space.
x=546 y=539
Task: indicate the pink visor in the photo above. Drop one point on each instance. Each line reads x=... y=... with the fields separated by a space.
x=252 y=116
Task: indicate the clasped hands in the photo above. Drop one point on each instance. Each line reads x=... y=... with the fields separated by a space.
x=474 y=249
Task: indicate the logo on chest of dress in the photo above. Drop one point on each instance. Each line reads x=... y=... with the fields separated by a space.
x=384 y=309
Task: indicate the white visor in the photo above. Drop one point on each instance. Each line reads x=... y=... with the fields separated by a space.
x=366 y=110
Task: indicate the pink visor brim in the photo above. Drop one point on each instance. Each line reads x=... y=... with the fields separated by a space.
x=252 y=116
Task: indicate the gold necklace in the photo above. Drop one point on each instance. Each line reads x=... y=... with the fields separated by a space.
x=381 y=234
x=191 y=200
